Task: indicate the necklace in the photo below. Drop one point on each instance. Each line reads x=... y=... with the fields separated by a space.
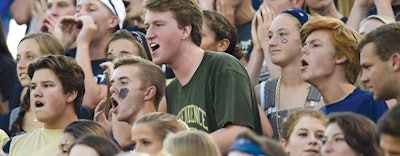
x=277 y=102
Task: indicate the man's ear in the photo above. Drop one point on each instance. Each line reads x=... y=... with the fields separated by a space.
x=298 y=4
x=113 y=22
x=340 y=59
x=283 y=143
x=150 y=92
x=186 y=31
x=223 y=45
x=395 y=60
x=71 y=96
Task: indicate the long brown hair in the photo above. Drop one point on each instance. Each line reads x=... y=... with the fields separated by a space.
x=358 y=131
x=48 y=45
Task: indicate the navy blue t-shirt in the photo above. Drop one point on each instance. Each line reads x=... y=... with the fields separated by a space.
x=98 y=74
x=97 y=71
x=360 y=102
x=244 y=39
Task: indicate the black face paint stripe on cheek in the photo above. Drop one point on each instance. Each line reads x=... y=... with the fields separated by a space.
x=123 y=92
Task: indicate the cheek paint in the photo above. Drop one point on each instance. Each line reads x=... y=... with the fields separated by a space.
x=123 y=92
x=284 y=41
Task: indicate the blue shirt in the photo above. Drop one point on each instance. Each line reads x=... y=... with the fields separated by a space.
x=360 y=102
x=98 y=74
x=97 y=71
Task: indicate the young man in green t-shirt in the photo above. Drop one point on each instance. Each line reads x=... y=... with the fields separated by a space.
x=212 y=91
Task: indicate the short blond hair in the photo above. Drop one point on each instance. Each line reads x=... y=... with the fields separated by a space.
x=162 y=123
x=150 y=74
x=291 y=121
x=191 y=143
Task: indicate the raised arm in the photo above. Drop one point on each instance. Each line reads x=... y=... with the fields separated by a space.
x=21 y=11
x=207 y=4
x=94 y=92
x=259 y=33
x=358 y=13
x=360 y=10
x=384 y=8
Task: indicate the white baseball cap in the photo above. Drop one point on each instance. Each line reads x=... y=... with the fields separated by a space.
x=117 y=7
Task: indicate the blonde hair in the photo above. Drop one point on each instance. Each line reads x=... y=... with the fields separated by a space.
x=343 y=38
x=48 y=44
x=162 y=123
x=194 y=143
x=291 y=121
x=149 y=74
x=132 y=153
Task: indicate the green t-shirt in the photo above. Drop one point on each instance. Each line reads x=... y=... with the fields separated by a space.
x=219 y=93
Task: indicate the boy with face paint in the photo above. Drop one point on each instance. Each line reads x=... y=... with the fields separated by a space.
x=57 y=89
x=137 y=88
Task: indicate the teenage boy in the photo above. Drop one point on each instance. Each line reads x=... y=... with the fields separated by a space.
x=57 y=89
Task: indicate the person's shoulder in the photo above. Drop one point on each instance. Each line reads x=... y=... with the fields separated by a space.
x=369 y=98
x=359 y=97
x=213 y=54
x=362 y=93
x=246 y=25
x=96 y=63
x=7 y=59
x=21 y=137
x=85 y=113
x=172 y=81
x=5 y=116
x=220 y=57
x=7 y=62
x=222 y=64
x=23 y=141
x=173 y=84
x=4 y=122
x=35 y=132
x=3 y=133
